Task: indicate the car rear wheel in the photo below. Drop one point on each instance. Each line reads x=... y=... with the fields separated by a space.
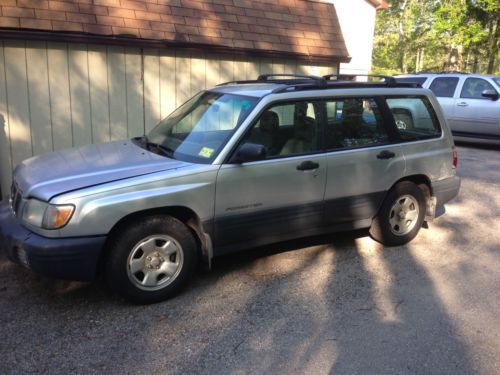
x=151 y=260
x=400 y=216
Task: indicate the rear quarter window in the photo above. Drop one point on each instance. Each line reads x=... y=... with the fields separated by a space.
x=414 y=117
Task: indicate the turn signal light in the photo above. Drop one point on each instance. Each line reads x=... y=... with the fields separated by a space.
x=57 y=216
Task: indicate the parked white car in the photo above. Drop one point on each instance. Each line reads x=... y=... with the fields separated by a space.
x=469 y=101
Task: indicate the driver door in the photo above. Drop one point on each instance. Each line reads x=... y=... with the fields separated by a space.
x=280 y=197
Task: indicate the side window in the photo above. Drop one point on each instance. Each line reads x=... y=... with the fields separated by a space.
x=415 y=118
x=353 y=122
x=287 y=129
x=474 y=87
x=444 y=87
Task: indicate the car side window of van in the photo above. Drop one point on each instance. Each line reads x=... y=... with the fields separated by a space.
x=444 y=87
x=353 y=122
x=289 y=128
x=474 y=87
x=414 y=117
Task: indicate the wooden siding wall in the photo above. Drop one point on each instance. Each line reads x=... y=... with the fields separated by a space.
x=57 y=95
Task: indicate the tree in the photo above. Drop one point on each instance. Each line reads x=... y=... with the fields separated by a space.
x=436 y=35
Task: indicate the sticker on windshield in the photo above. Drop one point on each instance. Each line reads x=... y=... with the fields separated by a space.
x=206 y=152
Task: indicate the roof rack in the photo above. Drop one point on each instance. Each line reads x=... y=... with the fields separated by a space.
x=317 y=79
x=300 y=82
x=389 y=80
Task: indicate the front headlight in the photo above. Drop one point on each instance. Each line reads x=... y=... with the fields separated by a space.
x=34 y=211
x=47 y=216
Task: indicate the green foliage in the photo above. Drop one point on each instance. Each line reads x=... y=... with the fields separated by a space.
x=433 y=35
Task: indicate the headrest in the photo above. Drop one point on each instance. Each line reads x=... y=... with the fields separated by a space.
x=269 y=121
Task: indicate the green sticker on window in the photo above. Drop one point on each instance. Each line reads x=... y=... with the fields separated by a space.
x=206 y=152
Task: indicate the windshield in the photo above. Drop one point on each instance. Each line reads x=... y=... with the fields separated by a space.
x=197 y=131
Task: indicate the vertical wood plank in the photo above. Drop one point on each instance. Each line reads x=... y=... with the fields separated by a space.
x=99 y=104
x=265 y=66
x=198 y=74
x=278 y=66
x=226 y=70
x=167 y=82
x=117 y=82
x=252 y=68
x=60 y=104
x=302 y=69
x=151 y=88
x=239 y=69
x=39 y=101
x=182 y=78
x=80 y=94
x=213 y=70
x=290 y=67
x=326 y=69
x=135 y=109
x=18 y=101
x=5 y=157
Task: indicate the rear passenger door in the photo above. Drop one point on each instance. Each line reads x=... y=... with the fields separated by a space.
x=362 y=159
x=444 y=88
x=426 y=151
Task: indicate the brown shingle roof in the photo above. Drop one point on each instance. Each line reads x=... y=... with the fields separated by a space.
x=300 y=27
x=379 y=4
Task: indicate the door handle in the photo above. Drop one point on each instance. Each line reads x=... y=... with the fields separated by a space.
x=307 y=165
x=462 y=104
x=386 y=155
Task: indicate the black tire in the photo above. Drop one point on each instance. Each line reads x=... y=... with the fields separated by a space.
x=160 y=250
x=401 y=215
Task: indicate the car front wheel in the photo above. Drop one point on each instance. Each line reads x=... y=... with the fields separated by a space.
x=151 y=260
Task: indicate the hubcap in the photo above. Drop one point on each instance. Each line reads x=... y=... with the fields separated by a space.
x=155 y=262
x=403 y=215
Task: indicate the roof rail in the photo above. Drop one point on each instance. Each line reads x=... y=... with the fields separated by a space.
x=389 y=80
x=317 y=79
x=299 y=82
x=287 y=79
x=431 y=72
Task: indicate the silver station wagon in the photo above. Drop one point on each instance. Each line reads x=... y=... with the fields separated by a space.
x=237 y=166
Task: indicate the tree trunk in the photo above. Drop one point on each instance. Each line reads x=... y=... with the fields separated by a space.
x=402 y=41
x=476 y=59
x=494 y=35
x=455 y=58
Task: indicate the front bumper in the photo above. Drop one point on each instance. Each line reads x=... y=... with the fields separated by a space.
x=60 y=258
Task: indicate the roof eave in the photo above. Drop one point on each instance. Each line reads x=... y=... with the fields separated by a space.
x=124 y=40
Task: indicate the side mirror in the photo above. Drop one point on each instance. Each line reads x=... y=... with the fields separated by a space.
x=249 y=152
x=490 y=94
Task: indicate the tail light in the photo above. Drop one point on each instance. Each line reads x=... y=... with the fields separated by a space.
x=455 y=157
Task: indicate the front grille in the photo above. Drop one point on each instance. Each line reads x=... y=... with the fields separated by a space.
x=15 y=197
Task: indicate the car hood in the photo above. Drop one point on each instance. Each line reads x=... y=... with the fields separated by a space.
x=51 y=174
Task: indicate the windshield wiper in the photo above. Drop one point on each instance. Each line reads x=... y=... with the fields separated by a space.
x=160 y=149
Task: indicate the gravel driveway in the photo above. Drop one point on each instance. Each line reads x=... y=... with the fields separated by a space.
x=339 y=304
